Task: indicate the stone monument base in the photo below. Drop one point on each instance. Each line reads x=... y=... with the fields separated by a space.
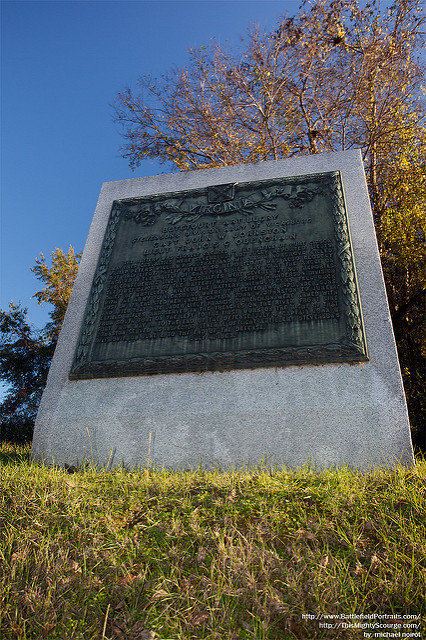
x=328 y=414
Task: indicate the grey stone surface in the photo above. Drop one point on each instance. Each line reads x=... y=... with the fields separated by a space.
x=330 y=414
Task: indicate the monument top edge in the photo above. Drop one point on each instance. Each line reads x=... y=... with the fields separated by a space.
x=285 y=167
x=294 y=179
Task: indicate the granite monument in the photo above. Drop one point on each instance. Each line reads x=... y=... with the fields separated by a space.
x=226 y=317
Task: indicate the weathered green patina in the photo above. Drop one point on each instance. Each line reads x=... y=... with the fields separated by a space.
x=233 y=276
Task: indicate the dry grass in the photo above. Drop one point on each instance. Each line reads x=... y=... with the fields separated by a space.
x=223 y=555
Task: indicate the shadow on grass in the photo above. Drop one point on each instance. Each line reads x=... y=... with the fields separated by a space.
x=12 y=453
x=419 y=454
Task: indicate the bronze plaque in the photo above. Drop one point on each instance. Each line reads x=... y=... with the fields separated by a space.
x=232 y=276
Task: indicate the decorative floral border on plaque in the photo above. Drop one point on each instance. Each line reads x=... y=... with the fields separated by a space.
x=354 y=322
x=88 y=325
x=351 y=349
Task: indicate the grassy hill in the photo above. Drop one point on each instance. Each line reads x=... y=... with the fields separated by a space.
x=241 y=555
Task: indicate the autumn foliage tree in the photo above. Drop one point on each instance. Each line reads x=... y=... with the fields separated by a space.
x=59 y=279
x=337 y=76
x=25 y=352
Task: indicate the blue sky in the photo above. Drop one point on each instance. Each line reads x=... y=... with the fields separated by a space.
x=62 y=62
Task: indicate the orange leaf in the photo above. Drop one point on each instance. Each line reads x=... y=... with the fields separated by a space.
x=305 y=535
x=399 y=504
x=201 y=555
x=327 y=561
x=119 y=633
x=359 y=569
x=126 y=580
x=140 y=633
x=157 y=595
x=232 y=495
x=199 y=618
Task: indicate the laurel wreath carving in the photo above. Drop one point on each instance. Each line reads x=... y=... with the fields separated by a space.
x=86 y=335
x=297 y=197
x=354 y=322
x=216 y=361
